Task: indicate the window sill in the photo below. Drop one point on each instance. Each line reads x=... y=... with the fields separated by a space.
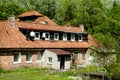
x=49 y=63
x=80 y=40
x=72 y=40
x=39 y=61
x=28 y=61
x=17 y=62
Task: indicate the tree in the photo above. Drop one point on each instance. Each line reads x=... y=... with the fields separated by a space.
x=91 y=13
x=115 y=11
x=9 y=9
x=46 y=7
x=64 y=12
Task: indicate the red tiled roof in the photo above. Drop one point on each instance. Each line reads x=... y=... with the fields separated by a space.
x=33 y=26
x=46 y=19
x=11 y=37
x=30 y=13
x=92 y=41
x=58 y=44
x=59 y=52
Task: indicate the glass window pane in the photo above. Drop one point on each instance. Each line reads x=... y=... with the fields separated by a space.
x=28 y=57
x=16 y=57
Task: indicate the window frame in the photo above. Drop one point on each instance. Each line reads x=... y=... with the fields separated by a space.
x=57 y=36
x=29 y=57
x=79 y=37
x=72 y=39
x=19 y=57
x=38 y=36
x=64 y=38
x=49 y=61
x=41 y=55
x=48 y=36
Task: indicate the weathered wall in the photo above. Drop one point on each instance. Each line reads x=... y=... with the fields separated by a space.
x=7 y=61
x=55 y=63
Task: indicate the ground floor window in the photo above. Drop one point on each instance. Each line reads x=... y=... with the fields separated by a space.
x=17 y=57
x=28 y=57
x=49 y=60
x=67 y=58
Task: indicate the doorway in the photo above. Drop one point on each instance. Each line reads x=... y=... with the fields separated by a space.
x=62 y=62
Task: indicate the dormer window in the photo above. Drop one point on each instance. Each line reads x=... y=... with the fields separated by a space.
x=47 y=36
x=43 y=22
x=37 y=36
x=72 y=37
x=56 y=36
x=80 y=37
x=64 y=36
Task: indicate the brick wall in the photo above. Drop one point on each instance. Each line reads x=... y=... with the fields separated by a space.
x=7 y=61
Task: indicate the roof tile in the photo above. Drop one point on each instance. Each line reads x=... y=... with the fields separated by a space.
x=11 y=37
x=45 y=19
x=59 y=52
x=30 y=13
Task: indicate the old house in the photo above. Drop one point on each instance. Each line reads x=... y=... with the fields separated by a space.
x=34 y=40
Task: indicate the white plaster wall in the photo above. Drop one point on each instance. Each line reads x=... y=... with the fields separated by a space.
x=55 y=64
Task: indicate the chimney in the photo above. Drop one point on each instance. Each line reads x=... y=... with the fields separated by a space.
x=11 y=20
x=69 y=26
x=81 y=27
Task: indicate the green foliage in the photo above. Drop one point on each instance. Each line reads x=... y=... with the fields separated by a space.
x=9 y=9
x=114 y=70
x=46 y=74
x=35 y=74
x=115 y=11
x=64 y=12
x=100 y=17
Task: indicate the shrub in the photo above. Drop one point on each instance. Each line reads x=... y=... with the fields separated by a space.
x=114 y=71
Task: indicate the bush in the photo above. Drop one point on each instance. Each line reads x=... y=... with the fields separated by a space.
x=114 y=71
x=1 y=70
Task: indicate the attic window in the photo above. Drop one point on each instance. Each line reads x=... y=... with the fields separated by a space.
x=80 y=37
x=56 y=36
x=47 y=36
x=37 y=36
x=72 y=37
x=43 y=22
x=64 y=36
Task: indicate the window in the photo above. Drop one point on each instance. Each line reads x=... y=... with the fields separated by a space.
x=43 y=22
x=56 y=36
x=67 y=58
x=17 y=57
x=28 y=57
x=72 y=37
x=80 y=37
x=49 y=60
x=37 y=36
x=83 y=56
x=39 y=57
x=64 y=36
x=47 y=36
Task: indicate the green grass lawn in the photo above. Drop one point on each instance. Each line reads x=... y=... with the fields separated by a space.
x=34 y=74
x=42 y=73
